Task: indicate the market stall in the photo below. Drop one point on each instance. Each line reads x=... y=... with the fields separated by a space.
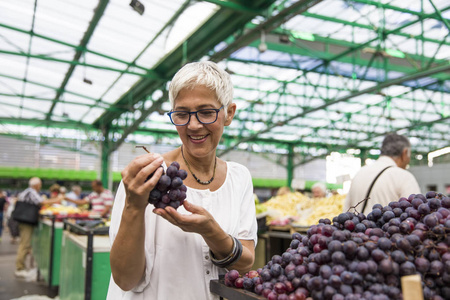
x=85 y=255
x=46 y=245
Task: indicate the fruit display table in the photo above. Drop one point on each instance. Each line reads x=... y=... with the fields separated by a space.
x=85 y=268
x=46 y=245
x=219 y=288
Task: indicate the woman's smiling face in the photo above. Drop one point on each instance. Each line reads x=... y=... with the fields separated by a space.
x=200 y=139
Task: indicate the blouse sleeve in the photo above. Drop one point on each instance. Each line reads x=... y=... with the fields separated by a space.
x=248 y=228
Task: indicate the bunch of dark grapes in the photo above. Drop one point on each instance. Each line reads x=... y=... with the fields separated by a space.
x=170 y=190
x=359 y=257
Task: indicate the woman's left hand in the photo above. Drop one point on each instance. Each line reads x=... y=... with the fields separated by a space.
x=200 y=221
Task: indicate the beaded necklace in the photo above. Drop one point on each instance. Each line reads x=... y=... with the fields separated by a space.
x=193 y=175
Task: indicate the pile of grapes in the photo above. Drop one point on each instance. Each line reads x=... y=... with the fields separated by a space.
x=170 y=190
x=359 y=257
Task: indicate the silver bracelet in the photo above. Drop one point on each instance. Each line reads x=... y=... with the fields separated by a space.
x=231 y=258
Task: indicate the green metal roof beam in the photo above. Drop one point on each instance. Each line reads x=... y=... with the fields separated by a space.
x=51 y=87
x=235 y=6
x=29 y=109
x=30 y=97
x=76 y=47
x=98 y=13
x=345 y=98
x=77 y=63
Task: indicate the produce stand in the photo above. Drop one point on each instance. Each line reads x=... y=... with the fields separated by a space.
x=85 y=271
x=46 y=245
x=219 y=288
x=278 y=238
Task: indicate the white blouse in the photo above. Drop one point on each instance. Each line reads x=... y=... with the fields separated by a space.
x=178 y=265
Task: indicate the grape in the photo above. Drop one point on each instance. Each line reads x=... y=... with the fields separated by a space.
x=436 y=268
x=384 y=243
x=173 y=194
x=233 y=275
x=176 y=182
x=275 y=270
x=171 y=171
x=169 y=190
x=385 y=266
x=165 y=199
x=423 y=209
x=338 y=258
x=407 y=268
x=248 y=283
x=258 y=289
x=182 y=174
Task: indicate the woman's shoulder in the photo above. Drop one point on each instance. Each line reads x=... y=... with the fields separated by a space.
x=236 y=169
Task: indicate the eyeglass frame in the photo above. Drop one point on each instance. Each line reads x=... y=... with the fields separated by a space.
x=217 y=110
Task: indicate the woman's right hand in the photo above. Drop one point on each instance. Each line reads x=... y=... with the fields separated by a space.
x=134 y=178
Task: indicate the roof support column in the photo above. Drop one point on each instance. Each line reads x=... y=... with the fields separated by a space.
x=104 y=168
x=290 y=165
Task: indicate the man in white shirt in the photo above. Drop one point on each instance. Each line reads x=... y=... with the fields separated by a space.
x=30 y=195
x=394 y=181
x=75 y=194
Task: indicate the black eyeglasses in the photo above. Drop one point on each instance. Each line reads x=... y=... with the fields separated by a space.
x=204 y=116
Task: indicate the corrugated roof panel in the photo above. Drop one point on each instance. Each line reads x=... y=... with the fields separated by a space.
x=64 y=20
x=92 y=115
x=122 y=85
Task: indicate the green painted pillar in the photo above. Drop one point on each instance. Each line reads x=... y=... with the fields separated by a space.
x=363 y=157
x=104 y=173
x=290 y=165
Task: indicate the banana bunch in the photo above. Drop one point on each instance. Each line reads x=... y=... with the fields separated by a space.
x=57 y=210
x=321 y=208
x=284 y=205
x=303 y=210
x=258 y=206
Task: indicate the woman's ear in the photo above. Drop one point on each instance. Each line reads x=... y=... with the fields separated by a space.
x=231 y=110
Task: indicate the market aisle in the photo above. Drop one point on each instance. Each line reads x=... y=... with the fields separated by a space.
x=12 y=287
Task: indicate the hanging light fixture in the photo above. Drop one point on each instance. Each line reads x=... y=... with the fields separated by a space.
x=138 y=6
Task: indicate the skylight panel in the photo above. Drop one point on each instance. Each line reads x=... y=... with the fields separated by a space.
x=13 y=66
x=92 y=115
x=47 y=72
x=17 y=14
x=122 y=85
x=63 y=21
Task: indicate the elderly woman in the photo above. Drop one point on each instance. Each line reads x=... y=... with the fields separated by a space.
x=173 y=254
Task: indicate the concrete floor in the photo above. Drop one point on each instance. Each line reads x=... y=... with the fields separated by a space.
x=12 y=287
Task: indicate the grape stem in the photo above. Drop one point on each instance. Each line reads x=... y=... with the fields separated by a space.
x=143 y=147
x=356 y=205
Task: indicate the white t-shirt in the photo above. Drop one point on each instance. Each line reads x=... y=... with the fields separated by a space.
x=177 y=262
x=392 y=184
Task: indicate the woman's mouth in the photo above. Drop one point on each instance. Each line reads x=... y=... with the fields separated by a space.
x=198 y=138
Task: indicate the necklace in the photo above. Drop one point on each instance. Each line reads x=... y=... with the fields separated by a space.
x=193 y=175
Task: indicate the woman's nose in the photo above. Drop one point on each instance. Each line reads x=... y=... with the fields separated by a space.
x=194 y=123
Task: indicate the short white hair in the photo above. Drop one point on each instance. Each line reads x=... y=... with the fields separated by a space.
x=34 y=181
x=320 y=185
x=205 y=73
